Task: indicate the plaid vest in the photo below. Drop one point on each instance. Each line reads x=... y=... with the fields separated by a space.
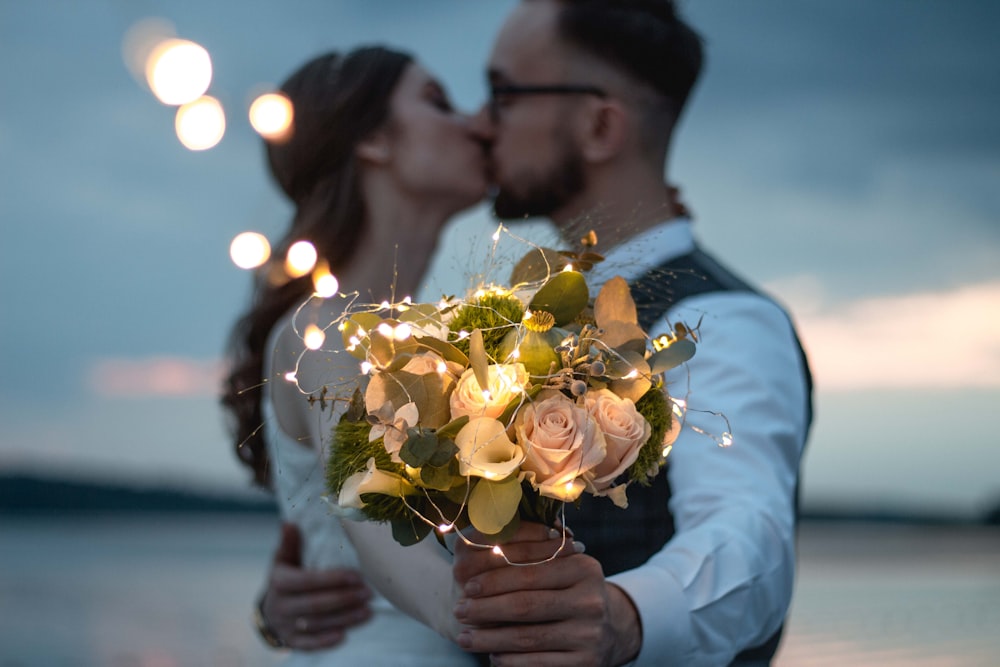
x=623 y=540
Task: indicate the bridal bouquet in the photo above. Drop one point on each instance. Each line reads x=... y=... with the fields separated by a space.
x=502 y=405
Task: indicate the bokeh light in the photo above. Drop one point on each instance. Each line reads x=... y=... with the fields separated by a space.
x=178 y=71
x=271 y=116
x=201 y=124
x=249 y=250
x=301 y=259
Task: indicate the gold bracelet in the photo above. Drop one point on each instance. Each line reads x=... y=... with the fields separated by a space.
x=264 y=629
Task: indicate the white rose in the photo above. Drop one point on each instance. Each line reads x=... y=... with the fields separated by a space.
x=562 y=443
x=507 y=381
x=625 y=432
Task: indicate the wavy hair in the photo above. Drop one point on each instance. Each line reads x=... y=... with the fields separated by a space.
x=337 y=102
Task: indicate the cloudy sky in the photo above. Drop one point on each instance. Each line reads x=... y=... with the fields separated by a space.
x=844 y=154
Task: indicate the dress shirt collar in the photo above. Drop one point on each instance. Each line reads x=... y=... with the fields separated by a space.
x=653 y=247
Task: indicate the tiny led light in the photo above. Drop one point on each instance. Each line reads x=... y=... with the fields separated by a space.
x=301 y=259
x=442 y=367
x=445 y=527
x=385 y=329
x=249 y=250
x=314 y=337
x=402 y=332
x=326 y=284
x=271 y=116
x=568 y=267
x=290 y=376
x=366 y=367
x=497 y=551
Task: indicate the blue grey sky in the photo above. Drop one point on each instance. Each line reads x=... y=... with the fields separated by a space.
x=844 y=154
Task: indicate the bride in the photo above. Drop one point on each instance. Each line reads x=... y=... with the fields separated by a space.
x=377 y=162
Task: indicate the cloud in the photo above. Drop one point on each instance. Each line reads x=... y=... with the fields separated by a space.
x=947 y=339
x=155 y=377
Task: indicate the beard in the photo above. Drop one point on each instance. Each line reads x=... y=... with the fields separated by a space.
x=544 y=192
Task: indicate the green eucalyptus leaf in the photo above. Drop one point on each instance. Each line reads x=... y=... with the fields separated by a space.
x=446 y=350
x=614 y=303
x=421 y=444
x=430 y=392
x=493 y=504
x=441 y=478
x=673 y=356
x=538 y=264
x=451 y=429
x=564 y=295
x=445 y=452
x=409 y=531
x=351 y=329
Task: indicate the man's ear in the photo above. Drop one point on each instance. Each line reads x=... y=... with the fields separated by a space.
x=375 y=148
x=605 y=131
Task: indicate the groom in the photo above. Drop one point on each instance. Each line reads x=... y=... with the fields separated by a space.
x=585 y=95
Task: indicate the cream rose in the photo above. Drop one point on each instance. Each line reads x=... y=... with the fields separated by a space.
x=426 y=363
x=506 y=381
x=562 y=443
x=625 y=432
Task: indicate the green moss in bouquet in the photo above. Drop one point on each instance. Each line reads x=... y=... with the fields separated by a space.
x=653 y=406
x=493 y=314
x=350 y=438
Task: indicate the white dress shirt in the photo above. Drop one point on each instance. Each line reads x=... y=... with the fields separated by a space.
x=724 y=581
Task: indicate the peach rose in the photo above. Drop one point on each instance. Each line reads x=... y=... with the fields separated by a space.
x=506 y=381
x=625 y=432
x=562 y=443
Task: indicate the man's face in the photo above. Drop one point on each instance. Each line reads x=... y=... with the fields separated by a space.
x=536 y=163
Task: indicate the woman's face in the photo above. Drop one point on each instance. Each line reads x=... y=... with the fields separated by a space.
x=436 y=156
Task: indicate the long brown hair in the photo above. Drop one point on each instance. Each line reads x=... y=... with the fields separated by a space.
x=337 y=101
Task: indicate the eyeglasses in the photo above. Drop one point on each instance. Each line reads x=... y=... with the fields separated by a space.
x=500 y=94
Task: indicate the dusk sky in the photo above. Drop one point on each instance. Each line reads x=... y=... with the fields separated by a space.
x=845 y=155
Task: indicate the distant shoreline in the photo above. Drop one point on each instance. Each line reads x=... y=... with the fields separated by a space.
x=34 y=495
x=24 y=494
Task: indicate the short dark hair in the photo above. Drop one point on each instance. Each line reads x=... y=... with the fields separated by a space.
x=644 y=38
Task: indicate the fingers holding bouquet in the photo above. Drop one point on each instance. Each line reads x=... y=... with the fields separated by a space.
x=557 y=612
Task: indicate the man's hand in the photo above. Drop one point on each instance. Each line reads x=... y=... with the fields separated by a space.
x=310 y=609
x=560 y=612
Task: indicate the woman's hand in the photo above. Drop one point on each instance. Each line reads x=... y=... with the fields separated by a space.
x=309 y=610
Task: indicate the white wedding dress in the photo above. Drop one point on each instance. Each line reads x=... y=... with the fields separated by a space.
x=390 y=638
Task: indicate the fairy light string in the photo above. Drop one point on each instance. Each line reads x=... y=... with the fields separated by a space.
x=583 y=354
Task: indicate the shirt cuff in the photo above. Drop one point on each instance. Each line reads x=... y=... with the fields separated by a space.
x=669 y=640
